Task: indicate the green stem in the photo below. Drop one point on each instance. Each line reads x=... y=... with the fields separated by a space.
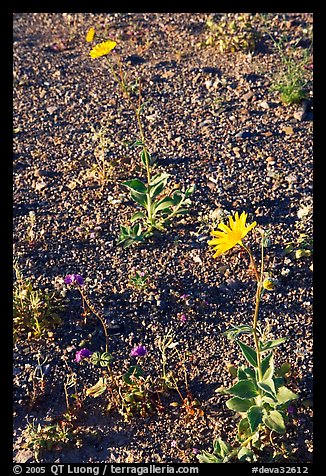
x=93 y=310
x=137 y=110
x=257 y=302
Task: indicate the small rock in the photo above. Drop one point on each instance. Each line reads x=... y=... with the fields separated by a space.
x=270 y=160
x=264 y=105
x=248 y=96
x=288 y=130
x=52 y=109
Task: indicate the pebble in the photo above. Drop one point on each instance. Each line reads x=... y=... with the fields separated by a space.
x=248 y=96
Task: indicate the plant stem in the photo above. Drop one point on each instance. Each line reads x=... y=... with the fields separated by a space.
x=93 y=310
x=137 y=110
x=257 y=302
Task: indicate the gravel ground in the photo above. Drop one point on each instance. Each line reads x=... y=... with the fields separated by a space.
x=213 y=121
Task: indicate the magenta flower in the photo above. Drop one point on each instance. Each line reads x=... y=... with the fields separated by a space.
x=83 y=354
x=74 y=278
x=183 y=317
x=138 y=351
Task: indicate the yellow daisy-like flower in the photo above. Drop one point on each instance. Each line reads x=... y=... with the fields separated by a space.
x=269 y=284
x=230 y=236
x=90 y=35
x=102 y=49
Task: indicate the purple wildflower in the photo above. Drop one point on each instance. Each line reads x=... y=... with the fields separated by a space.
x=138 y=351
x=74 y=278
x=195 y=451
x=83 y=354
x=183 y=317
x=291 y=409
x=184 y=296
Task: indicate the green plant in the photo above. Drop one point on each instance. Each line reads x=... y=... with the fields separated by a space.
x=232 y=34
x=293 y=79
x=157 y=208
x=259 y=394
x=49 y=437
x=139 y=280
x=301 y=248
x=34 y=311
x=100 y=171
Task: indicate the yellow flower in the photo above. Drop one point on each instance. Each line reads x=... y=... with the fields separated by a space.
x=230 y=236
x=269 y=284
x=102 y=49
x=90 y=35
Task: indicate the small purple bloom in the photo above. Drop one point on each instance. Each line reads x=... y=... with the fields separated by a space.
x=138 y=351
x=69 y=279
x=184 y=296
x=195 y=451
x=83 y=354
x=291 y=409
x=183 y=317
x=79 y=279
x=74 y=278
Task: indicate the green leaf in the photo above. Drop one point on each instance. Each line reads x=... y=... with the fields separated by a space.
x=235 y=331
x=255 y=417
x=158 y=184
x=249 y=353
x=267 y=367
x=206 y=457
x=283 y=370
x=233 y=370
x=190 y=190
x=274 y=421
x=104 y=359
x=162 y=204
x=159 y=178
x=97 y=389
x=135 y=185
x=220 y=448
x=270 y=344
x=243 y=389
x=243 y=429
x=245 y=454
x=270 y=400
x=139 y=198
x=285 y=395
x=137 y=216
x=239 y=404
x=268 y=386
x=242 y=374
x=145 y=157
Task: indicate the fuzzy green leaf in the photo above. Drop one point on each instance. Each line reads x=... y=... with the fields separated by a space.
x=249 y=353
x=97 y=389
x=255 y=417
x=285 y=395
x=270 y=344
x=220 y=448
x=244 y=430
x=137 y=216
x=243 y=389
x=245 y=454
x=135 y=185
x=274 y=421
x=268 y=386
x=267 y=367
x=239 y=404
x=162 y=204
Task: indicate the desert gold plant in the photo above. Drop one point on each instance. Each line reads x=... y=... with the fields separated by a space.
x=259 y=394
